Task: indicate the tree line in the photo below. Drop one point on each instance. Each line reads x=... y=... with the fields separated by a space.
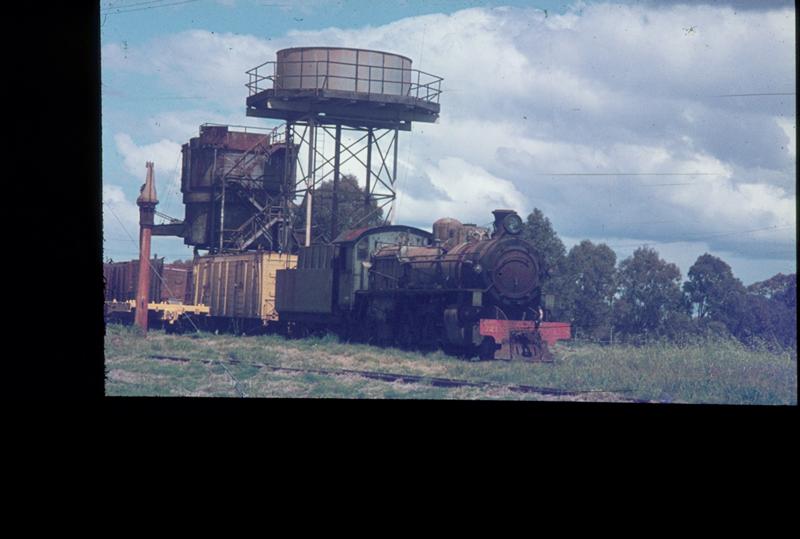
x=643 y=297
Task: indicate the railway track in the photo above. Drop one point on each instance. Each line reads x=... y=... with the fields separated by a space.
x=402 y=378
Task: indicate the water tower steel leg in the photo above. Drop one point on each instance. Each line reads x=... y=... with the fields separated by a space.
x=289 y=193
x=336 y=162
x=312 y=140
x=394 y=177
x=221 y=210
x=212 y=224
x=367 y=191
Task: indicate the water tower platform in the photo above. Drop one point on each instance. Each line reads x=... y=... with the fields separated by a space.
x=356 y=87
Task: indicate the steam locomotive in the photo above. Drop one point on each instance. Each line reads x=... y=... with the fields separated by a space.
x=469 y=290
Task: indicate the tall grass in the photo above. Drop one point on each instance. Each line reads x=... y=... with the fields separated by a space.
x=712 y=372
x=716 y=372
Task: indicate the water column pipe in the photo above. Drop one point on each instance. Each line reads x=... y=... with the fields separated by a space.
x=147 y=202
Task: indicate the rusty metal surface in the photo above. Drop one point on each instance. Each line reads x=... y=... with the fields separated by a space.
x=553 y=332
x=506 y=267
x=147 y=202
x=451 y=232
x=354 y=235
x=501 y=329
x=147 y=193
x=177 y=283
x=143 y=286
x=121 y=279
x=234 y=184
x=222 y=137
x=446 y=229
x=515 y=340
x=515 y=274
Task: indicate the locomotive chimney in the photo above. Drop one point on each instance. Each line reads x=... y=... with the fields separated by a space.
x=147 y=206
x=499 y=217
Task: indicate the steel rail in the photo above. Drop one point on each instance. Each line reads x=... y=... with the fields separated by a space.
x=406 y=378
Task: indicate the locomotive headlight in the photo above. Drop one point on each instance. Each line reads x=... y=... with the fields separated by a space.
x=477 y=268
x=512 y=224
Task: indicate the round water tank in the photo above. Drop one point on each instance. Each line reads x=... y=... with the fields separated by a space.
x=343 y=69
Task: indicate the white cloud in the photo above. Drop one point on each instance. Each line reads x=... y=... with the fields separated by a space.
x=165 y=154
x=464 y=191
x=120 y=219
x=121 y=230
x=730 y=206
x=195 y=61
x=602 y=89
x=790 y=129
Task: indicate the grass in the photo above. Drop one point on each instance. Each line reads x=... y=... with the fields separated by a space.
x=715 y=373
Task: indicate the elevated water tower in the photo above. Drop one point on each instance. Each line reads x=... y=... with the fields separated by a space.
x=342 y=106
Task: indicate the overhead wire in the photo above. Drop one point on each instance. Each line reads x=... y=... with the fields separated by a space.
x=754 y=95
x=702 y=237
x=119 y=11
x=111 y=5
x=627 y=174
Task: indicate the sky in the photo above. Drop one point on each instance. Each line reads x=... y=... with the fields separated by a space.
x=666 y=124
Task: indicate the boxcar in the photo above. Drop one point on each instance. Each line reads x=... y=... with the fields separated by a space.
x=239 y=288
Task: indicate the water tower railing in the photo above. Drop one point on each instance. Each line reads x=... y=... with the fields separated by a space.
x=427 y=87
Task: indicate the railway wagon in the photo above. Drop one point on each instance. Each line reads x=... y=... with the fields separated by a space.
x=169 y=283
x=121 y=279
x=239 y=289
x=177 y=283
x=170 y=293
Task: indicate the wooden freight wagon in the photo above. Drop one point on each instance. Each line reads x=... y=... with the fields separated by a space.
x=240 y=288
x=122 y=278
x=170 y=293
x=176 y=286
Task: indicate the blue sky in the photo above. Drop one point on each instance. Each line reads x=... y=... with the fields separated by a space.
x=630 y=123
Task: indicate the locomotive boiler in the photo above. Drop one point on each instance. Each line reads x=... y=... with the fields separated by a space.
x=463 y=288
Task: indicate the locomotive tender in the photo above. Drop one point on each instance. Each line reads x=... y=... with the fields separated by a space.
x=471 y=291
